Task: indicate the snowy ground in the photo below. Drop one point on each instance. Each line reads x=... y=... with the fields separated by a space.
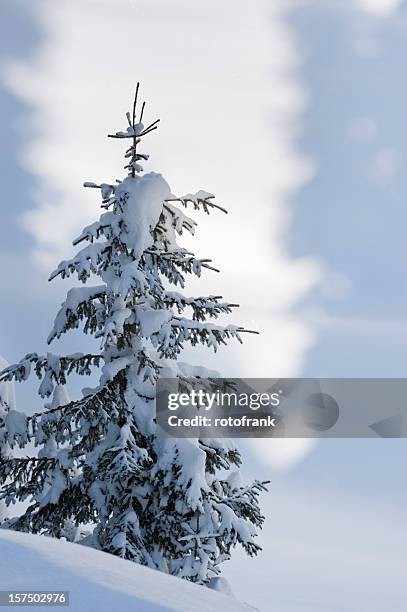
x=98 y=581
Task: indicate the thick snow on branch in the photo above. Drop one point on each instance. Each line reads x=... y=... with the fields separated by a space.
x=85 y=262
x=141 y=200
x=200 y=199
x=68 y=316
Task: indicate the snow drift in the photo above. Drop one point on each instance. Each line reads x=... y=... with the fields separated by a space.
x=99 y=581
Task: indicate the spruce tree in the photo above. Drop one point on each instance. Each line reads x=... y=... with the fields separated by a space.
x=173 y=504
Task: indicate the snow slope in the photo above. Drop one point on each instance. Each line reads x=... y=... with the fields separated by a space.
x=98 y=581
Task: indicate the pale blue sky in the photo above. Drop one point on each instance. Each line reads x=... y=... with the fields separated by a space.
x=353 y=214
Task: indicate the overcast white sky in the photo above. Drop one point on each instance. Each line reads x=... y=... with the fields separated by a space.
x=223 y=77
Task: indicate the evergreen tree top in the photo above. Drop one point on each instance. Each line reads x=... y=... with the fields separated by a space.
x=135 y=130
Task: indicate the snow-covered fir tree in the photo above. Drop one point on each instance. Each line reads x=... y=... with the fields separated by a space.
x=174 y=504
